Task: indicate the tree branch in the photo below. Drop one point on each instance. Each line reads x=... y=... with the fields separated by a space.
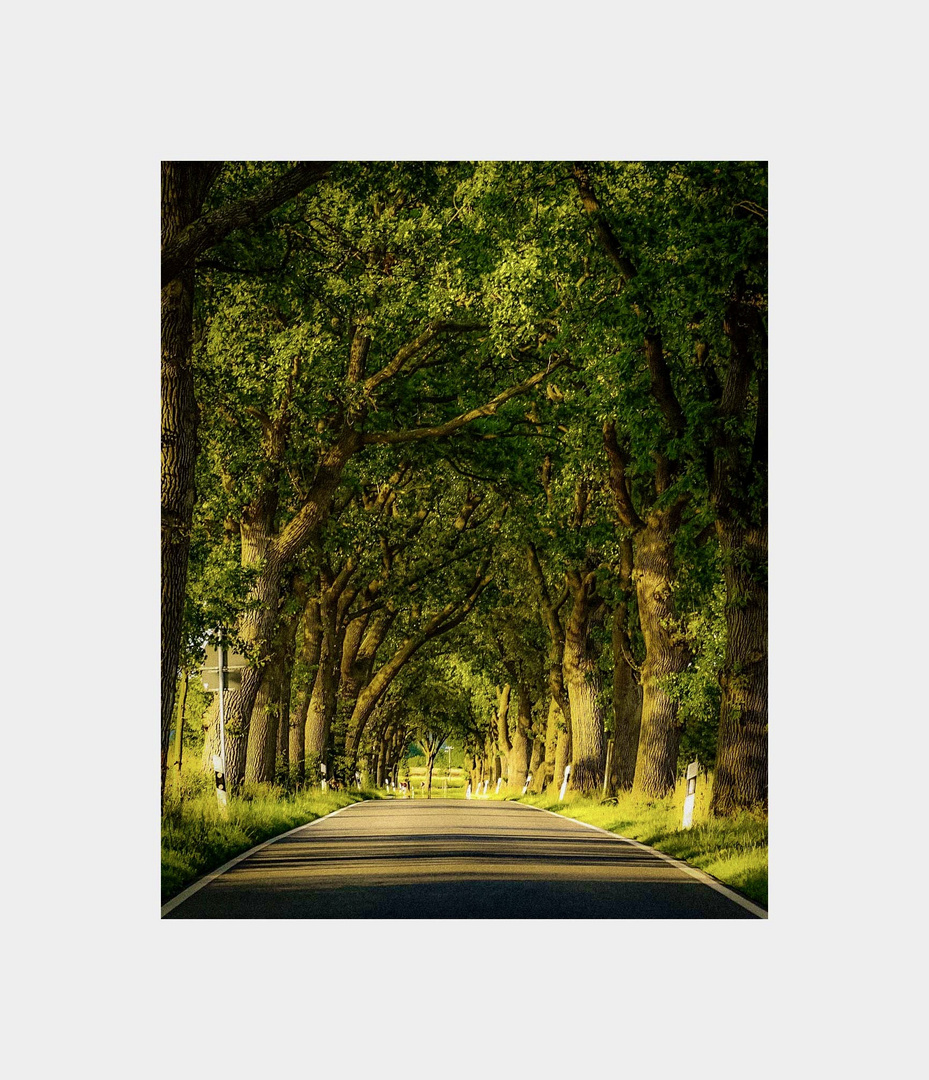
x=413 y=347
x=451 y=426
x=618 y=482
x=182 y=250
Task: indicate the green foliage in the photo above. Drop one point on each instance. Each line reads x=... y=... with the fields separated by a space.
x=495 y=269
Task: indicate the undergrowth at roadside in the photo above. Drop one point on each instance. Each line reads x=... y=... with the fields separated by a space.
x=197 y=836
x=732 y=850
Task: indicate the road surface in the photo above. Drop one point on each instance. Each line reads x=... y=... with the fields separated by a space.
x=454 y=859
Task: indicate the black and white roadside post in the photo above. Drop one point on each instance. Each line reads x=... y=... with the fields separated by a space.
x=322 y=770
x=527 y=783
x=692 y=769
x=564 y=783
x=606 y=768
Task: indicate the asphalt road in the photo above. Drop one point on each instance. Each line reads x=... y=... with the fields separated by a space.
x=453 y=859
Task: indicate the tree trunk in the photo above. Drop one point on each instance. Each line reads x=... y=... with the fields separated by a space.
x=536 y=760
x=306 y=666
x=285 y=687
x=562 y=756
x=584 y=684
x=179 y=726
x=262 y=732
x=666 y=654
x=518 y=755
x=322 y=706
x=627 y=704
x=741 y=775
x=545 y=771
x=183 y=188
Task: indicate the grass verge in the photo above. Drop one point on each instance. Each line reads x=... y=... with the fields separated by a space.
x=197 y=837
x=732 y=850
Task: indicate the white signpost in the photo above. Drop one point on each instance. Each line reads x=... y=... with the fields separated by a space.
x=527 y=783
x=564 y=783
x=692 y=769
x=497 y=788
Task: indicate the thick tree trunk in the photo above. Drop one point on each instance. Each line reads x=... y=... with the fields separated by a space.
x=306 y=665
x=585 y=684
x=518 y=755
x=666 y=654
x=545 y=771
x=322 y=706
x=285 y=688
x=740 y=497
x=267 y=731
x=504 y=745
x=183 y=188
x=627 y=705
x=741 y=775
x=536 y=760
x=179 y=726
x=262 y=732
x=562 y=756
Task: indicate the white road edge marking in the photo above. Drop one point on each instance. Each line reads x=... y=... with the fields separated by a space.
x=198 y=885
x=692 y=870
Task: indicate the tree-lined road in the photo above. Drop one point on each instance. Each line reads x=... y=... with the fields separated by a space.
x=450 y=859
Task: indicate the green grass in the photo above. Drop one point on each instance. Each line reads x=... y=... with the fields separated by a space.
x=197 y=837
x=732 y=850
x=457 y=781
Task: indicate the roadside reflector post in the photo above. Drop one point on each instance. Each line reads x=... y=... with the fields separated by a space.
x=692 y=769
x=527 y=783
x=322 y=783
x=606 y=768
x=219 y=778
x=564 y=783
x=497 y=788
x=468 y=790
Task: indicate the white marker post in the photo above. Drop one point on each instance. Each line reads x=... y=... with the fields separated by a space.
x=486 y=786
x=497 y=788
x=692 y=769
x=564 y=783
x=468 y=790
x=527 y=783
x=322 y=768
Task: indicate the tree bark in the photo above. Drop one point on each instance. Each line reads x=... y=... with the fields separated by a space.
x=741 y=775
x=517 y=765
x=562 y=755
x=322 y=706
x=627 y=695
x=306 y=665
x=179 y=726
x=545 y=771
x=585 y=684
x=536 y=760
x=740 y=498
x=183 y=188
x=262 y=732
x=666 y=654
